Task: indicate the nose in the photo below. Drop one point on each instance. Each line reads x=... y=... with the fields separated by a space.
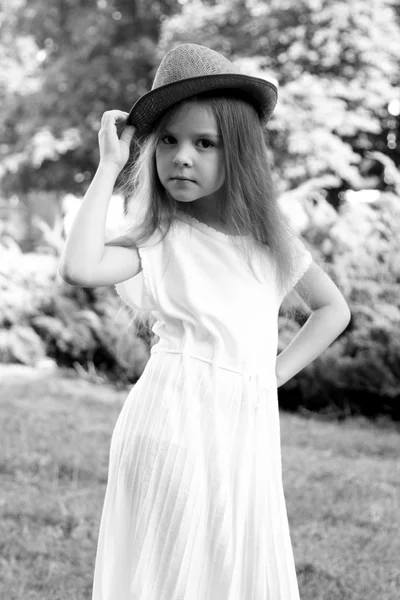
x=182 y=157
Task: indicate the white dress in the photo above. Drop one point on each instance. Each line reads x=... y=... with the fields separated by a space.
x=194 y=507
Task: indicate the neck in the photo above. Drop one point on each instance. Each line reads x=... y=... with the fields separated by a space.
x=206 y=209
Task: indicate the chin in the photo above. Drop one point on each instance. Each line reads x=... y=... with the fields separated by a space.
x=183 y=197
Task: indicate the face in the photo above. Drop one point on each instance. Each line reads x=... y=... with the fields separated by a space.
x=190 y=157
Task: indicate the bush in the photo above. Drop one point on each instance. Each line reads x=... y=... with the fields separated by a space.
x=360 y=371
x=41 y=316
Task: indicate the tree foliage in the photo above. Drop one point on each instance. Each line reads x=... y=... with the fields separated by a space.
x=336 y=63
x=89 y=59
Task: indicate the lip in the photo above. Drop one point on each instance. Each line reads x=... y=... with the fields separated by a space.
x=181 y=179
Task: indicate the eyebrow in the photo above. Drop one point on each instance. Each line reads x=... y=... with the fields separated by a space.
x=196 y=133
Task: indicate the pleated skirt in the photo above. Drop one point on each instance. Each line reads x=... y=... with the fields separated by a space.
x=194 y=507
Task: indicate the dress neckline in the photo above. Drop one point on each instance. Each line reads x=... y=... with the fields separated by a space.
x=207 y=229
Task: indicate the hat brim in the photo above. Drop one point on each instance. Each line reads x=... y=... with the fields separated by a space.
x=263 y=94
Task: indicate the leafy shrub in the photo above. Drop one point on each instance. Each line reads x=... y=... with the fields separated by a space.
x=360 y=371
x=41 y=316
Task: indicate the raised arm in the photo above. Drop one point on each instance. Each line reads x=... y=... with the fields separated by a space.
x=85 y=260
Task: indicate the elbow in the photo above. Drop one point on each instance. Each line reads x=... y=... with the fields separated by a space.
x=339 y=312
x=62 y=271
x=66 y=275
x=347 y=313
x=344 y=314
x=66 y=278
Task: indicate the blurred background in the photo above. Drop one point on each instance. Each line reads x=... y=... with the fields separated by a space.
x=335 y=143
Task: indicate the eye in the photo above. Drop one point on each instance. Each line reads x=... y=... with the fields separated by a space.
x=207 y=143
x=168 y=139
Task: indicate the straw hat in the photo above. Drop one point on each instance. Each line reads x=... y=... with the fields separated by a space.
x=190 y=69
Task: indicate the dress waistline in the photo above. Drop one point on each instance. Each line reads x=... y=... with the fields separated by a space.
x=262 y=377
x=245 y=372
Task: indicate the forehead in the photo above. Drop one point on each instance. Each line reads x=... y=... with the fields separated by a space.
x=193 y=116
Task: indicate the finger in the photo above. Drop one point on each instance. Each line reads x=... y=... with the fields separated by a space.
x=117 y=115
x=113 y=117
x=127 y=134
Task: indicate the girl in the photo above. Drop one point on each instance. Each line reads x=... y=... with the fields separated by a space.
x=194 y=507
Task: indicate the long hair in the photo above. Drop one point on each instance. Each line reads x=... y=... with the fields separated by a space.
x=250 y=206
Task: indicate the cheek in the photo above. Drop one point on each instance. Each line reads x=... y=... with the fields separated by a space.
x=159 y=163
x=221 y=170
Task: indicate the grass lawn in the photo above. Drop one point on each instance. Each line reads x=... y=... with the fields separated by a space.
x=342 y=487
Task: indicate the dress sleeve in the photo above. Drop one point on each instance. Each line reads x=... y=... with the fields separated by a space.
x=303 y=260
x=135 y=292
